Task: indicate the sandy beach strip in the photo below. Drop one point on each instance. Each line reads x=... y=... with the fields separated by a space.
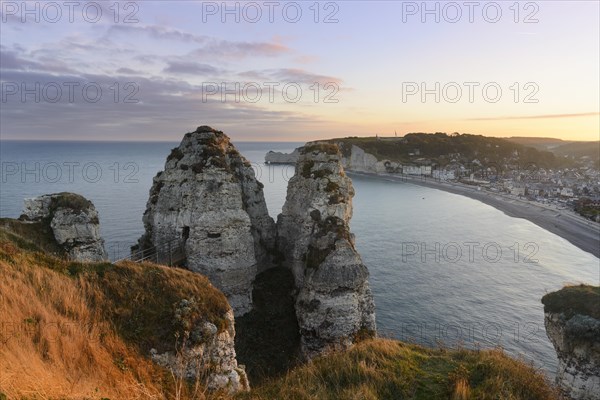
x=581 y=232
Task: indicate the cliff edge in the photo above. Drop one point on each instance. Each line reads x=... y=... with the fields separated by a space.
x=572 y=319
x=65 y=224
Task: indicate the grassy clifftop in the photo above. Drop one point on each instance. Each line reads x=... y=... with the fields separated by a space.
x=442 y=148
x=83 y=331
x=571 y=300
x=389 y=369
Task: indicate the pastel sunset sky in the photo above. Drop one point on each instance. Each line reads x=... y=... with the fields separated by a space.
x=299 y=71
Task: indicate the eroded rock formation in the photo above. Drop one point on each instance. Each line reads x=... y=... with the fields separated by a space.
x=572 y=319
x=206 y=354
x=74 y=223
x=334 y=305
x=208 y=201
x=277 y=157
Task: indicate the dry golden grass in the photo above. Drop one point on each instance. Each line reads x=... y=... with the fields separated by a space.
x=80 y=331
x=53 y=345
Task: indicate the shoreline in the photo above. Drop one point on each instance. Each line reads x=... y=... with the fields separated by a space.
x=582 y=233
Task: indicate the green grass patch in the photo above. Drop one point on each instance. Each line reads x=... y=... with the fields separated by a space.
x=389 y=370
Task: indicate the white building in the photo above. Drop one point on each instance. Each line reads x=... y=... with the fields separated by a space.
x=566 y=192
x=416 y=170
x=444 y=174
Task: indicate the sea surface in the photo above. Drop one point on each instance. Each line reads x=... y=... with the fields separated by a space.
x=445 y=269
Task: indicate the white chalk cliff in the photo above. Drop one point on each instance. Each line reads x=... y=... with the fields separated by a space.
x=74 y=222
x=572 y=319
x=334 y=304
x=208 y=201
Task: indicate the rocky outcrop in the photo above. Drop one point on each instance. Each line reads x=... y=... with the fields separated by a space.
x=334 y=304
x=206 y=354
x=572 y=319
x=74 y=223
x=208 y=201
x=276 y=157
x=361 y=161
x=353 y=159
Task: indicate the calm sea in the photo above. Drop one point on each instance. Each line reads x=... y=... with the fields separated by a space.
x=444 y=268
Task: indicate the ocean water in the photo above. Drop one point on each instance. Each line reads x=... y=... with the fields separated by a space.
x=445 y=269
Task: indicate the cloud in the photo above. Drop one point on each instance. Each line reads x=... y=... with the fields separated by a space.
x=166 y=108
x=237 y=50
x=13 y=60
x=210 y=47
x=10 y=60
x=127 y=71
x=191 y=68
x=291 y=75
x=543 y=116
x=155 y=32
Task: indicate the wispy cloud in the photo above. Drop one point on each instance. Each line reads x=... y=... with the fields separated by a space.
x=165 y=109
x=155 y=32
x=238 y=50
x=191 y=68
x=18 y=61
x=544 y=116
x=291 y=75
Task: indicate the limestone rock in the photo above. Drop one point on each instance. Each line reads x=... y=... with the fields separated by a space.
x=361 y=161
x=74 y=222
x=334 y=305
x=209 y=202
x=276 y=157
x=207 y=355
x=576 y=339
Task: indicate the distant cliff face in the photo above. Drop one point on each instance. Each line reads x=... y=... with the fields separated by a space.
x=74 y=223
x=208 y=201
x=361 y=161
x=334 y=305
x=276 y=157
x=572 y=319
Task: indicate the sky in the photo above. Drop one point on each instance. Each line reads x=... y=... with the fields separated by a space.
x=298 y=71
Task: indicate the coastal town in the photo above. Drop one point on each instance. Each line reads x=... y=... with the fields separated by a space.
x=558 y=181
x=576 y=188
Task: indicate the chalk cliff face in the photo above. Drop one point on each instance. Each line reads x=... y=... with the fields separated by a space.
x=353 y=159
x=74 y=223
x=334 y=305
x=572 y=319
x=207 y=353
x=208 y=201
x=276 y=157
x=361 y=161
